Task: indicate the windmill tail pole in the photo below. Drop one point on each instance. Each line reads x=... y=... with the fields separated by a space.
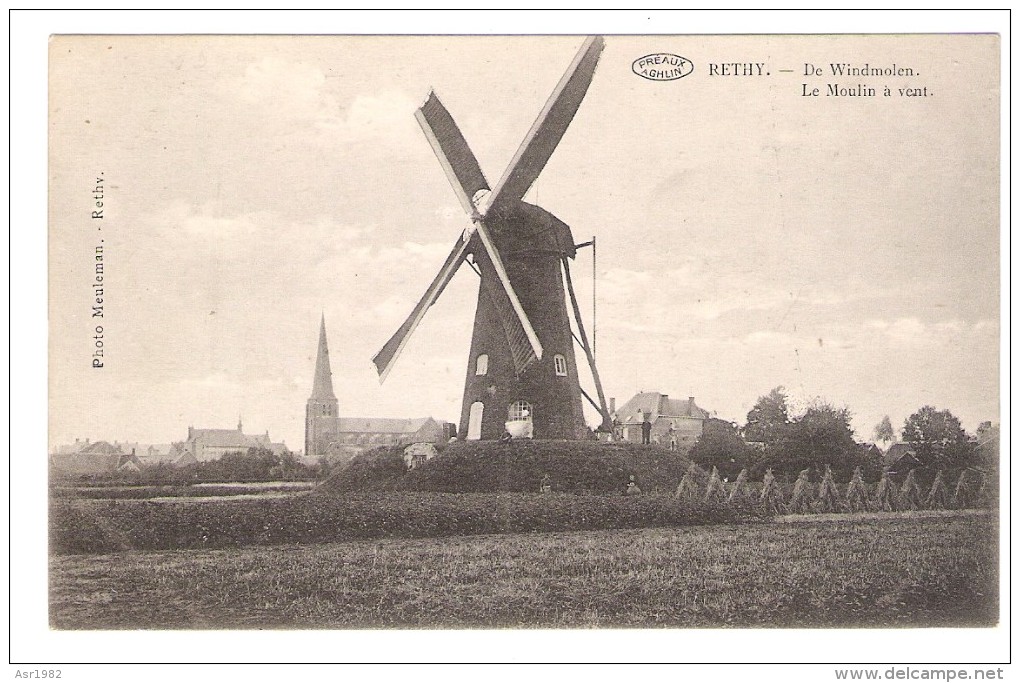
x=607 y=420
x=594 y=297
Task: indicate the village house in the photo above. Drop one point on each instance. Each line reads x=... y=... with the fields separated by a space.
x=684 y=417
x=147 y=452
x=96 y=457
x=213 y=444
x=177 y=456
x=153 y=454
x=418 y=454
x=986 y=446
x=69 y=448
x=900 y=458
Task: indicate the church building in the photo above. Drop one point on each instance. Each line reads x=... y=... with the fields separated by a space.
x=328 y=434
x=322 y=410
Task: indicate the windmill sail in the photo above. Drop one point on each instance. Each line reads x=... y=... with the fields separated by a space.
x=509 y=297
x=519 y=338
x=551 y=124
x=458 y=162
x=466 y=178
x=392 y=348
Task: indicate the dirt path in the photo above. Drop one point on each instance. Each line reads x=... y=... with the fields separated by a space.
x=853 y=516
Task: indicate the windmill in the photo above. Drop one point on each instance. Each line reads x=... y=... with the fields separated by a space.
x=522 y=376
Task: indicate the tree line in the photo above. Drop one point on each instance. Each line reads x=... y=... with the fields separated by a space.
x=773 y=438
x=256 y=464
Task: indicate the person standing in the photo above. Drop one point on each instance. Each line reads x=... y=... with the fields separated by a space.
x=646 y=431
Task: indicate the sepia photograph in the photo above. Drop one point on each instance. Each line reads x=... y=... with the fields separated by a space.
x=569 y=332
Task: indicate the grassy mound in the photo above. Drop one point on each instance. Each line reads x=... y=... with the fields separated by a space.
x=518 y=467
x=377 y=470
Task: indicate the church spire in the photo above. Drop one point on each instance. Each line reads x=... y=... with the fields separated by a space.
x=322 y=387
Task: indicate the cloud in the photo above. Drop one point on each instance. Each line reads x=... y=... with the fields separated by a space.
x=913 y=333
x=901 y=332
x=203 y=222
x=767 y=338
x=659 y=300
x=326 y=260
x=301 y=99
x=385 y=116
x=435 y=252
x=294 y=90
x=196 y=223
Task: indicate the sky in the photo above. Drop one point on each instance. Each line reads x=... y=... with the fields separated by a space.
x=748 y=236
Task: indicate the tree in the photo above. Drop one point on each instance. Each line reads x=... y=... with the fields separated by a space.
x=821 y=436
x=884 y=431
x=938 y=439
x=255 y=464
x=720 y=446
x=288 y=468
x=768 y=419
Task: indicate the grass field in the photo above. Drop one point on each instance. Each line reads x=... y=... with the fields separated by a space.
x=898 y=570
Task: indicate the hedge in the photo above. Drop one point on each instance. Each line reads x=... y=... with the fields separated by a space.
x=85 y=526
